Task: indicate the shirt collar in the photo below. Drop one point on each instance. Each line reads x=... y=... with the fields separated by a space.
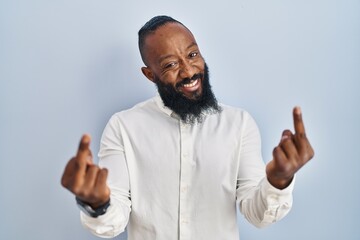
x=162 y=107
x=168 y=111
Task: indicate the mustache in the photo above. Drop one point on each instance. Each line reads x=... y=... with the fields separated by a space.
x=188 y=80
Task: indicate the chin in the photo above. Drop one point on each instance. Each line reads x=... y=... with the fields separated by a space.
x=194 y=95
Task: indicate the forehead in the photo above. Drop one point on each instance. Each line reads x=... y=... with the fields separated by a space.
x=168 y=39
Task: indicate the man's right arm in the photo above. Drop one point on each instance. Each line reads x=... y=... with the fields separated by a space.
x=95 y=185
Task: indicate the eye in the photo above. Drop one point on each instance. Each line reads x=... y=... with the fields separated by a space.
x=193 y=54
x=169 y=65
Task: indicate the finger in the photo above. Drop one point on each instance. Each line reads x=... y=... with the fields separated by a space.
x=82 y=160
x=101 y=185
x=298 y=122
x=101 y=178
x=84 y=156
x=68 y=173
x=280 y=160
x=286 y=135
x=287 y=144
x=90 y=178
x=84 y=144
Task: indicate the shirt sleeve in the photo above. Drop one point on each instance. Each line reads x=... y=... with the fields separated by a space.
x=112 y=157
x=260 y=202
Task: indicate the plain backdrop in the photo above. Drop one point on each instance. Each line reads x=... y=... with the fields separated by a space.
x=66 y=66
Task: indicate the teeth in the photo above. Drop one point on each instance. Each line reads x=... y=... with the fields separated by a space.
x=191 y=84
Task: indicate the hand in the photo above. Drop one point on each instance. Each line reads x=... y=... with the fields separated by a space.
x=85 y=179
x=293 y=152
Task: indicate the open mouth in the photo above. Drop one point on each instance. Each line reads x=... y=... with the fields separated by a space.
x=192 y=83
x=190 y=86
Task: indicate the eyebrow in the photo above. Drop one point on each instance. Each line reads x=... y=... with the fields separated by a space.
x=170 y=55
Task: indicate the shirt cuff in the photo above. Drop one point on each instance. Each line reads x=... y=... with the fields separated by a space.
x=270 y=189
x=278 y=201
x=109 y=225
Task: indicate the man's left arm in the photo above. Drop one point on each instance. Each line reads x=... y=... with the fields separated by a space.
x=266 y=199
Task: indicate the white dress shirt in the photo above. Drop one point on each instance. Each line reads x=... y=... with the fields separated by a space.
x=170 y=180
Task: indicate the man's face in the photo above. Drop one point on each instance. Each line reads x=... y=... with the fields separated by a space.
x=175 y=65
x=173 y=57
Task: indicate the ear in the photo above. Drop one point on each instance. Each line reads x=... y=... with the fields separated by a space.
x=148 y=73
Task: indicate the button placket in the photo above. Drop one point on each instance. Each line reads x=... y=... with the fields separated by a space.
x=185 y=178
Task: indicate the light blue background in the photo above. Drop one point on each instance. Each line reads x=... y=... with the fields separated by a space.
x=67 y=66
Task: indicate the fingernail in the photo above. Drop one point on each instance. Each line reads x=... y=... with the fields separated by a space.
x=284 y=137
x=86 y=138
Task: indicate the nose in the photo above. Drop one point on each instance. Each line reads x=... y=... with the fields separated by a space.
x=186 y=70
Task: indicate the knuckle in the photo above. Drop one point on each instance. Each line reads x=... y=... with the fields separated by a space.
x=311 y=152
x=308 y=154
x=103 y=172
x=94 y=168
x=289 y=166
x=275 y=150
x=64 y=182
x=287 y=132
x=95 y=195
x=77 y=189
x=283 y=168
x=94 y=171
x=84 y=193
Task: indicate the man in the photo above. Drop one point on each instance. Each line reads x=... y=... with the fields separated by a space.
x=177 y=165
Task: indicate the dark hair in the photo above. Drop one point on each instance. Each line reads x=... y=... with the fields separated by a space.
x=150 y=27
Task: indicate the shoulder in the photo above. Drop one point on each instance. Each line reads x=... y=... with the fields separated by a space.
x=236 y=117
x=234 y=112
x=241 y=120
x=141 y=109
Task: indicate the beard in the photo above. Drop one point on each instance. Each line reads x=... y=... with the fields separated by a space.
x=189 y=110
